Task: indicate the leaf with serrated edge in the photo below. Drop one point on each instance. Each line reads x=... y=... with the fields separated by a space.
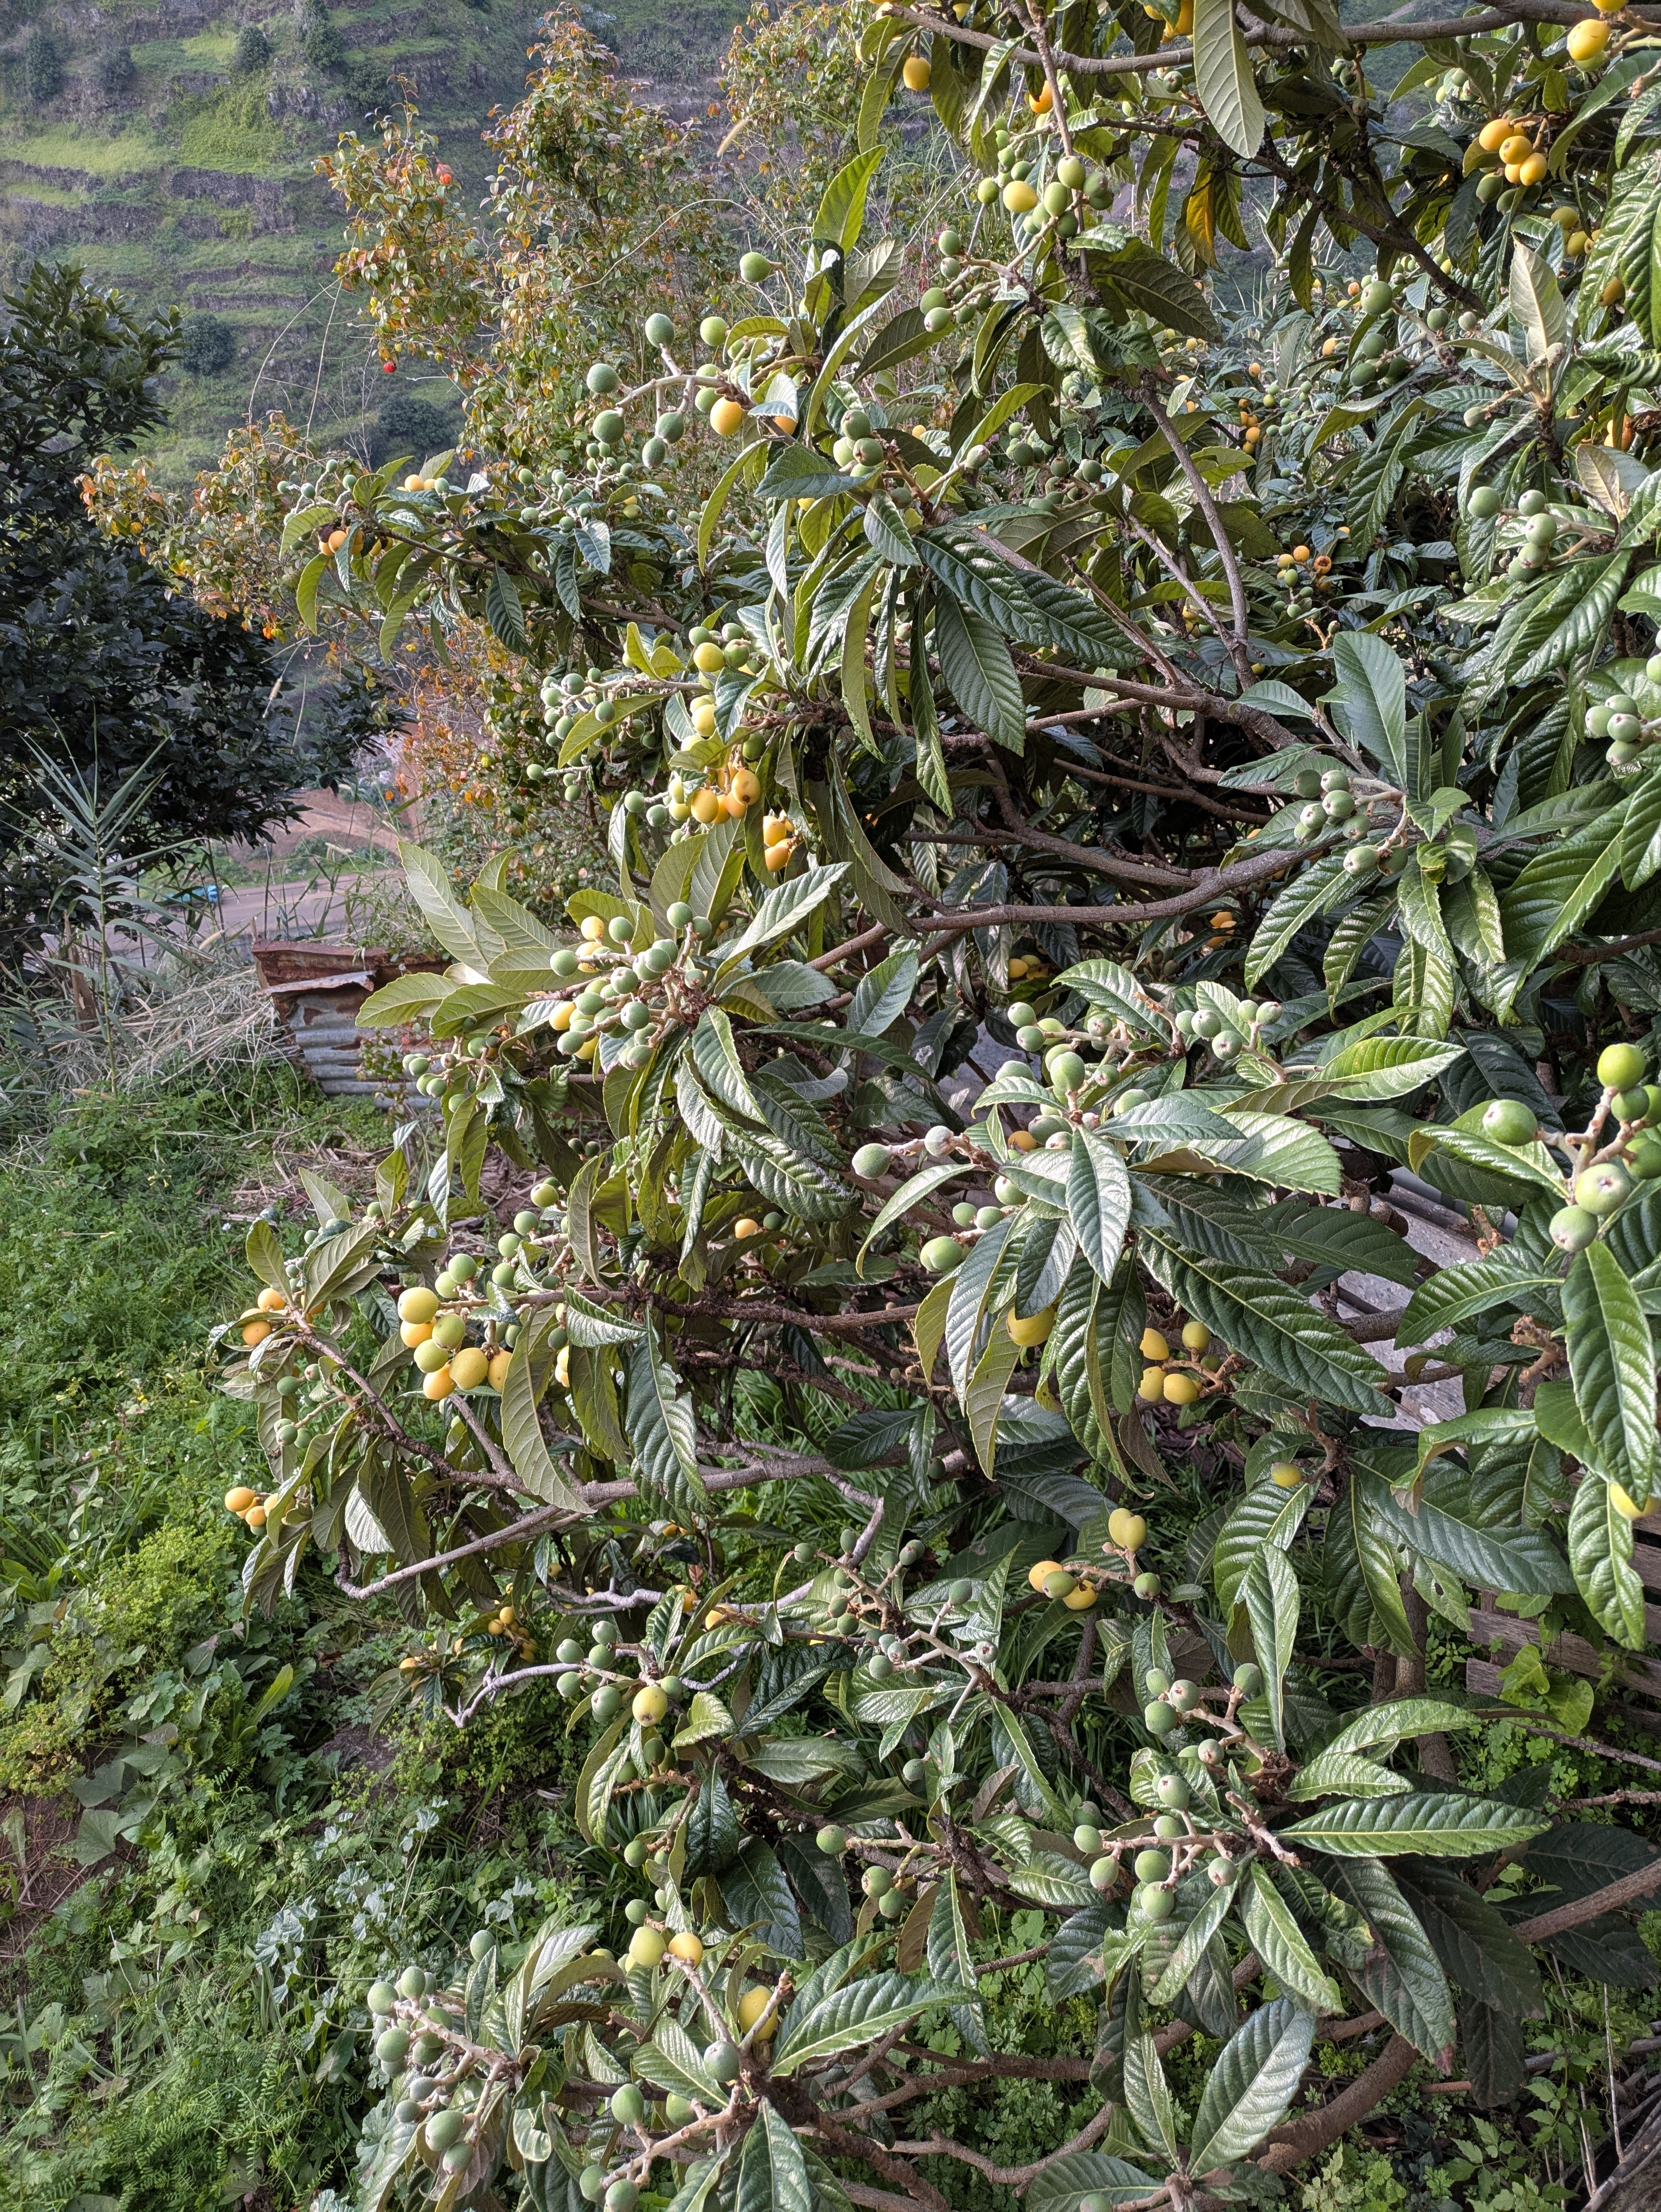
x=672 y=2061
x=1252 y=2084
x=528 y=1369
x=1269 y=1594
x=858 y=2013
x=951 y=1959
x=662 y=1429
x=772 y=2171
x=1147 y=2096
x=1452 y=1294
x=1280 y=1942
x=1600 y=1553
x=976 y=665
x=1186 y=1950
x=1266 y=1515
x=1098 y=1200
x=1066 y=2178
x=1259 y=1315
x=1612 y=1365
x=1398 y=1973
x=1428 y=1823
x=1344 y=1774
x=1479 y=1951
x=1397 y=1719
x=1222 y=77
x=982 y=1395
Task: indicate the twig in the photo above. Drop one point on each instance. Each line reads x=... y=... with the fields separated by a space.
x=1624 y=1892
x=515 y=1533
x=1602 y=1750
x=1016 y=2177
x=1238 y=650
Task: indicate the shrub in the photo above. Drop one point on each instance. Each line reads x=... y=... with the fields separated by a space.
x=409 y=424
x=254 y=50
x=208 y=345
x=320 y=40
x=113 y=71
x=368 y=85
x=43 y=66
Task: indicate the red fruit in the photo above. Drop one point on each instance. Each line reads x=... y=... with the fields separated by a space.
x=388 y=367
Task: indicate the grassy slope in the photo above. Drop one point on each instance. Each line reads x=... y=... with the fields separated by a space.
x=194 y=187
x=193 y=2001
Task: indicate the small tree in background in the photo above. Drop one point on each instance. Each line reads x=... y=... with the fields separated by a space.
x=409 y=424
x=115 y=71
x=208 y=345
x=105 y=663
x=320 y=40
x=43 y=66
x=254 y=50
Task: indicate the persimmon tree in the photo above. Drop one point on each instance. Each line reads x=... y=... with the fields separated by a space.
x=1236 y=738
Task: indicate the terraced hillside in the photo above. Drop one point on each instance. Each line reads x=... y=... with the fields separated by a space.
x=169 y=147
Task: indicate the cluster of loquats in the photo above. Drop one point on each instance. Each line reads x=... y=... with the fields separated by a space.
x=1170 y=1380
x=1537 y=532
x=1619 y=1149
x=436 y=1333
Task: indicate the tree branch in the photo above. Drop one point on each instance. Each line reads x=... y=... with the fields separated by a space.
x=1238 y=653
x=1017 y=2177
x=514 y=1535
x=1392 y=30
x=1291 y=2145
x=1313 y=2131
x=1213 y=882
x=1630 y=1887
x=852 y=2145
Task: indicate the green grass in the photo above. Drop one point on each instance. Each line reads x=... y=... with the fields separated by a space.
x=210 y=49
x=187 y=2023
x=230 y=130
x=116 y=150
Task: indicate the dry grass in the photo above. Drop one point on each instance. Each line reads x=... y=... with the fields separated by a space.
x=199 y=1007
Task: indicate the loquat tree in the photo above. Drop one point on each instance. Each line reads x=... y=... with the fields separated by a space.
x=1096 y=781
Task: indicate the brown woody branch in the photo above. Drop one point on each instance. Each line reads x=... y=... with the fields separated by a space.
x=1390 y=31
x=851 y=2144
x=1212 y=883
x=1302 y=2138
x=1013 y=2177
x=515 y=1533
x=1630 y=1887
x=1155 y=790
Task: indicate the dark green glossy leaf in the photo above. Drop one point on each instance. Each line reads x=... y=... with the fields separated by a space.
x=1430 y=1824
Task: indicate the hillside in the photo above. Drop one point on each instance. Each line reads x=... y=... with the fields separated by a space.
x=169 y=147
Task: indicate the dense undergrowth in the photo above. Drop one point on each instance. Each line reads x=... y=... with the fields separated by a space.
x=184 y=2016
